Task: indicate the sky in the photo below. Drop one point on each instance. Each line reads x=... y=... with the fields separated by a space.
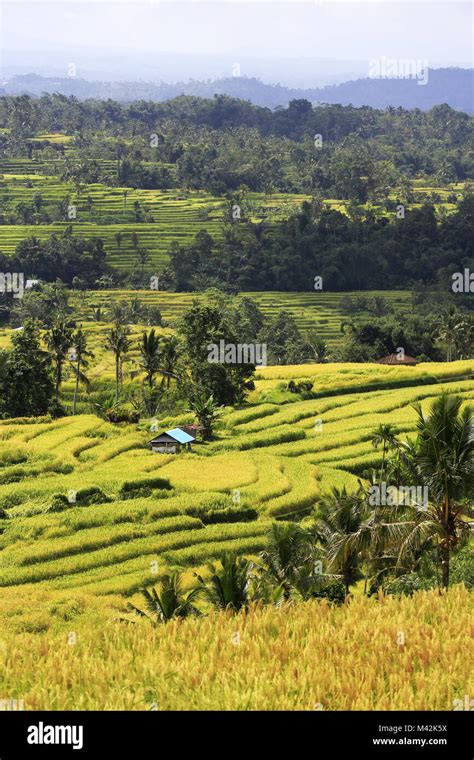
x=106 y=35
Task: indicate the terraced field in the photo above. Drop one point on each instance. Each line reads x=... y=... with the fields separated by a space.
x=107 y=212
x=150 y=511
x=157 y=217
x=318 y=310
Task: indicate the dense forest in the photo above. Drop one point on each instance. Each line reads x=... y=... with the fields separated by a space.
x=381 y=234
x=223 y=143
x=360 y=252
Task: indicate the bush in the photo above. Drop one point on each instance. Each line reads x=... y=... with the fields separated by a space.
x=407 y=584
x=122 y=415
x=332 y=589
x=225 y=515
x=83 y=498
x=134 y=489
x=461 y=571
x=304 y=387
x=56 y=409
x=462 y=567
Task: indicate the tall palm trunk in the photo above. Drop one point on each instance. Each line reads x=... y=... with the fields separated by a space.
x=59 y=373
x=444 y=554
x=117 y=377
x=76 y=387
x=444 y=549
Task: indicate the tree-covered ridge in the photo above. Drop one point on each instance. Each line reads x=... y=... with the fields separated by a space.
x=221 y=143
x=444 y=85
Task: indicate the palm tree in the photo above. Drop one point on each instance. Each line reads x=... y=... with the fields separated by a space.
x=143 y=257
x=449 y=325
x=117 y=341
x=464 y=339
x=283 y=564
x=116 y=311
x=344 y=517
x=135 y=311
x=167 y=602
x=150 y=355
x=80 y=362
x=58 y=341
x=384 y=435
x=228 y=585
x=169 y=358
x=444 y=460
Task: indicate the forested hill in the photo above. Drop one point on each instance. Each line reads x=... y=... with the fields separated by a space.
x=450 y=85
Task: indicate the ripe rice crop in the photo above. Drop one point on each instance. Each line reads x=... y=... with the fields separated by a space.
x=291 y=658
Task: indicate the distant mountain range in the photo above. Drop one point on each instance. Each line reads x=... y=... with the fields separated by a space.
x=454 y=86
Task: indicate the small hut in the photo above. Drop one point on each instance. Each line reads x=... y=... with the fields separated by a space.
x=396 y=360
x=193 y=429
x=172 y=441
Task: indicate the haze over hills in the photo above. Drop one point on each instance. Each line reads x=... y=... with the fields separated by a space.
x=453 y=86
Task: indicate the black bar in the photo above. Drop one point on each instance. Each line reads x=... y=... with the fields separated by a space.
x=316 y=734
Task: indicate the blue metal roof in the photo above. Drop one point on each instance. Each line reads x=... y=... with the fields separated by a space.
x=180 y=435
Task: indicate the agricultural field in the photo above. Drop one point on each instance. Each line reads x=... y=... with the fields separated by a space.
x=93 y=516
x=126 y=218
x=110 y=213
x=312 y=310
x=90 y=516
x=91 y=509
x=290 y=658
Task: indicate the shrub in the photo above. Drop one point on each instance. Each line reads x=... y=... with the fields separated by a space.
x=122 y=415
x=83 y=498
x=461 y=571
x=134 y=489
x=409 y=583
x=303 y=387
x=332 y=589
x=227 y=515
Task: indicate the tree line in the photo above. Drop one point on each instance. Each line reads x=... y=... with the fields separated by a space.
x=222 y=143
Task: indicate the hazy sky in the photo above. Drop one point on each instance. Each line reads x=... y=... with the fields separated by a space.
x=328 y=28
x=434 y=30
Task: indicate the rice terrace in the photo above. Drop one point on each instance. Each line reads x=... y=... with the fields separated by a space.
x=236 y=397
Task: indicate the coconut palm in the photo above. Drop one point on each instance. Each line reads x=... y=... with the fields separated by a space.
x=168 y=601
x=464 y=338
x=169 y=358
x=449 y=327
x=116 y=312
x=345 y=515
x=58 y=341
x=444 y=460
x=117 y=341
x=285 y=566
x=228 y=585
x=384 y=436
x=79 y=362
x=150 y=357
